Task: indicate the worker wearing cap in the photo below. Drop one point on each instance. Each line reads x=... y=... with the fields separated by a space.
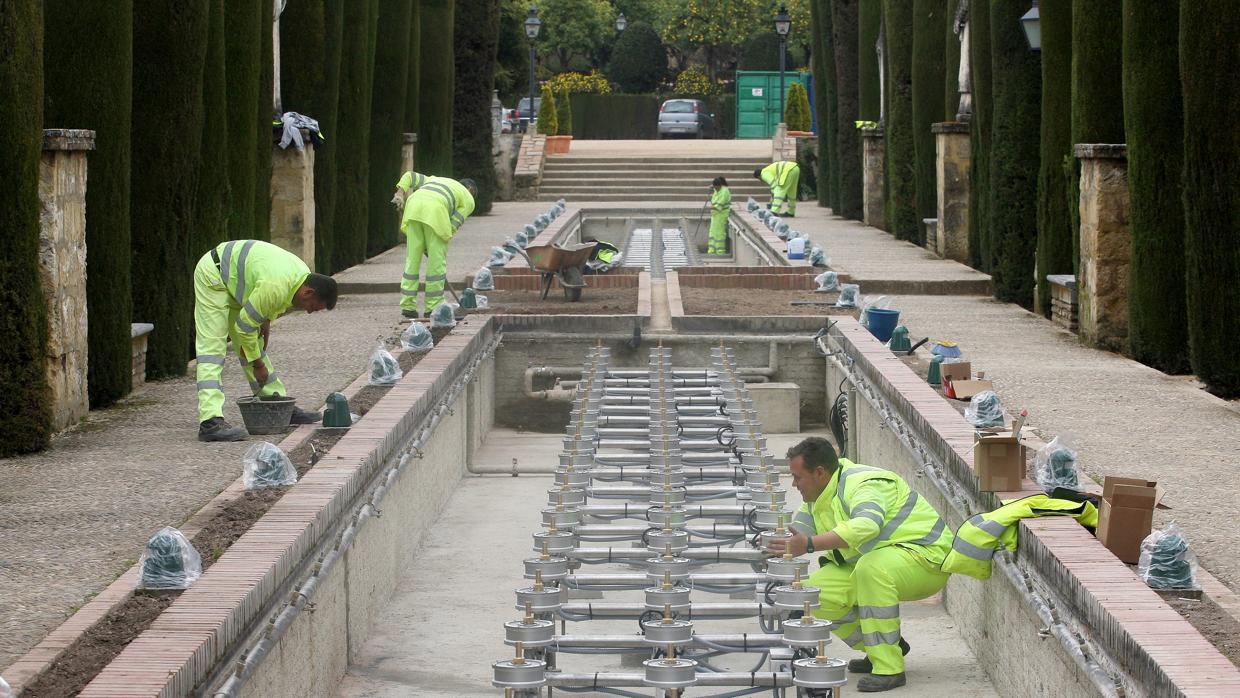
x=782 y=177
x=240 y=286
x=720 y=209
x=433 y=208
x=879 y=543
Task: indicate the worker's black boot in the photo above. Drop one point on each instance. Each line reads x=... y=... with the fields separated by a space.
x=216 y=429
x=863 y=666
x=411 y=314
x=875 y=683
x=301 y=416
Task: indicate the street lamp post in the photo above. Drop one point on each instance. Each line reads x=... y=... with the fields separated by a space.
x=621 y=23
x=783 y=24
x=1031 y=22
x=532 y=25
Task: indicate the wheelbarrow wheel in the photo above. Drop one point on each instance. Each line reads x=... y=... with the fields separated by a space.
x=572 y=280
x=572 y=295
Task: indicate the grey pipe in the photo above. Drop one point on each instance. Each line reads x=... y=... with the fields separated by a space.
x=754 y=641
x=620 y=609
x=764 y=679
x=691 y=511
x=707 y=578
x=704 y=554
x=585 y=532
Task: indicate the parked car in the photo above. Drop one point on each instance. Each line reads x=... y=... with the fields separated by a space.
x=523 y=111
x=508 y=121
x=685 y=117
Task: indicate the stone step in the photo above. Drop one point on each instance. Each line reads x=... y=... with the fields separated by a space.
x=634 y=196
x=691 y=160
x=730 y=175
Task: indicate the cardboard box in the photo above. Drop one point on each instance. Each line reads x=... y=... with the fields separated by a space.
x=959 y=371
x=1126 y=516
x=966 y=389
x=999 y=460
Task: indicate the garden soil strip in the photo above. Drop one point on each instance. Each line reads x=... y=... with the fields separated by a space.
x=750 y=302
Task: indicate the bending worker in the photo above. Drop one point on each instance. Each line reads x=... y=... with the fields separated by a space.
x=239 y=288
x=433 y=209
x=782 y=177
x=879 y=544
x=720 y=208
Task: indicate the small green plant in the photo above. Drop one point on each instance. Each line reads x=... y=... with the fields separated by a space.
x=563 y=114
x=548 y=124
x=796 y=111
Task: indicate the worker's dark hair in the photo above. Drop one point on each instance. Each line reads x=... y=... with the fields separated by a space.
x=720 y=182
x=324 y=288
x=757 y=173
x=816 y=452
x=471 y=185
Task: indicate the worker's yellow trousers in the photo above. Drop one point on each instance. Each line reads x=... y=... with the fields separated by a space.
x=864 y=600
x=421 y=239
x=215 y=321
x=786 y=194
x=718 y=233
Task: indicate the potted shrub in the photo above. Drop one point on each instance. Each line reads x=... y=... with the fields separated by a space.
x=563 y=140
x=796 y=113
x=548 y=124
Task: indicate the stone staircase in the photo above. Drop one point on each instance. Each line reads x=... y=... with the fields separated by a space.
x=648 y=178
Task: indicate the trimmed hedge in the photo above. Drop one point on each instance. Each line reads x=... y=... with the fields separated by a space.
x=243 y=47
x=901 y=159
x=1209 y=54
x=211 y=205
x=438 y=81
x=353 y=138
x=1017 y=87
x=980 y=239
x=563 y=114
x=87 y=77
x=387 y=121
x=869 y=91
x=844 y=28
x=951 y=63
x=477 y=40
x=24 y=396
x=548 y=123
x=929 y=16
x=1054 y=255
x=1154 y=123
x=822 y=107
x=636 y=117
x=263 y=142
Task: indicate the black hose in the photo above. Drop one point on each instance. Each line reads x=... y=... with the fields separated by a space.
x=837 y=419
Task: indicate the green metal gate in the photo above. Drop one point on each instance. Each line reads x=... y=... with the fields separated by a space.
x=757 y=100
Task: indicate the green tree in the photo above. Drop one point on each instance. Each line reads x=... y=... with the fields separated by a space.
x=438 y=81
x=929 y=18
x=1154 y=124
x=414 y=87
x=824 y=94
x=1016 y=90
x=548 y=119
x=563 y=114
x=1209 y=54
x=387 y=121
x=1054 y=255
x=718 y=29
x=87 y=71
x=262 y=125
x=243 y=48
x=170 y=43
x=353 y=138
x=796 y=113
x=574 y=29
x=310 y=36
x=869 y=90
x=951 y=63
x=512 y=63
x=845 y=32
x=639 y=61
x=901 y=165
x=980 y=238
x=211 y=204
x=24 y=397
x=477 y=38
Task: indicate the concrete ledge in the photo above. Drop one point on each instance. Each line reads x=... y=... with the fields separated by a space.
x=676 y=306
x=643 y=298
x=68 y=139
x=1104 y=151
x=707 y=324
x=932 y=287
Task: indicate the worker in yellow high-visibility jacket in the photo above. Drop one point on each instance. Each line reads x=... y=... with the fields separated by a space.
x=782 y=177
x=720 y=209
x=433 y=208
x=880 y=543
x=240 y=286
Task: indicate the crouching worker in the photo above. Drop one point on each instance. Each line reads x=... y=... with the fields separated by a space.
x=239 y=288
x=783 y=178
x=432 y=209
x=878 y=543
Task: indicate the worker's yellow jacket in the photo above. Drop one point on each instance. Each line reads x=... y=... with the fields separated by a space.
x=871 y=508
x=776 y=173
x=441 y=203
x=261 y=280
x=980 y=537
x=721 y=200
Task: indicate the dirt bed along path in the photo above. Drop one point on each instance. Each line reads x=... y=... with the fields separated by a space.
x=594 y=301
x=753 y=302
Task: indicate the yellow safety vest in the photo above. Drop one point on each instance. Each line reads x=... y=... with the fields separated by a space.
x=979 y=538
x=871 y=509
x=776 y=173
x=721 y=200
x=261 y=279
x=439 y=202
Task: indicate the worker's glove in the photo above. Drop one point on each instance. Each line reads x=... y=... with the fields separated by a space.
x=398 y=200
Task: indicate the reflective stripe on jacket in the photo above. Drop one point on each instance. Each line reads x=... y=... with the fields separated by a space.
x=261 y=279
x=721 y=200
x=776 y=173
x=979 y=538
x=411 y=181
x=871 y=508
x=439 y=202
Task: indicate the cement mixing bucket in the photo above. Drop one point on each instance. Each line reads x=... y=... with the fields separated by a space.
x=882 y=322
x=269 y=415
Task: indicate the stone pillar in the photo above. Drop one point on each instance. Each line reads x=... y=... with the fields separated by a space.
x=407 y=152
x=62 y=266
x=1102 y=285
x=873 y=212
x=292 y=199
x=953 y=158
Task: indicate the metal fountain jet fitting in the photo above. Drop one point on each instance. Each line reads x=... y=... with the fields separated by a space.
x=772 y=516
x=555 y=541
x=769 y=496
x=664 y=497
x=562 y=517
x=573 y=477
x=519 y=673
x=667 y=539
x=529 y=631
x=566 y=495
x=675 y=517
x=795 y=597
x=787 y=568
x=552 y=568
x=540 y=598
x=668 y=632
x=808 y=631
x=820 y=671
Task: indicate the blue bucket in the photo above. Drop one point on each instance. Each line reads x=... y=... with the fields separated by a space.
x=882 y=322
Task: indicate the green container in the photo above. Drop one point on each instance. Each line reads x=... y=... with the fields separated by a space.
x=337 y=412
x=935 y=375
x=899 y=339
x=469 y=299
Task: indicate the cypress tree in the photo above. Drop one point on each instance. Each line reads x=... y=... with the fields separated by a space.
x=869 y=91
x=1054 y=255
x=169 y=46
x=980 y=245
x=1097 y=89
x=476 y=43
x=831 y=129
x=822 y=103
x=1154 y=124
x=387 y=120
x=310 y=35
x=243 y=47
x=901 y=157
x=87 y=71
x=844 y=33
x=24 y=396
x=412 y=92
x=929 y=16
x=1017 y=85
x=211 y=206
x=262 y=125
x=1209 y=54
x=435 y=100
x=353 y=138
x=951 y=63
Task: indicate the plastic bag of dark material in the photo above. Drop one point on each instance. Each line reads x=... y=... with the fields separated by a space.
x=265 y=465
x=511 y=248
x=417 y=339
x=1166 y=562
x=783 y=231
x=169 y=561
x=521 y=240
x=985 y=410
x=772 y=221
x=751 y=205
x=498 y=257
x=1055 y=465
x=542 y=221
x=444 y=315
x=384 y=370
x=827 y=281
x=484 y=280
x=530 y=231
x=818 y=258
x=848 y=296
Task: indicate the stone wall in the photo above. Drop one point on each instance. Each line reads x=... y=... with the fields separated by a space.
x=872 y=167
x=1105 y=245
x=527 y=176
x=953 y=159
x=62 y=264
x=292 y=199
